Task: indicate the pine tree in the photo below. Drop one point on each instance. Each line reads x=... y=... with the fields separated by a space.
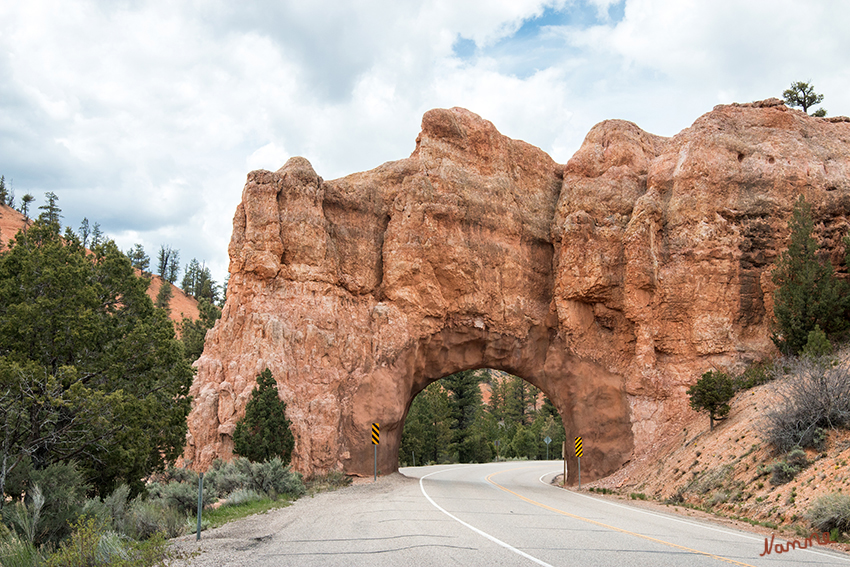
x=139 y=259
x=264 y=433
x=163 y=296
x=4 y=193
x=712 y=393
x=173 y=267
x=96 y=235
x=85 y=231
x=807 y=292
x=91 y=372
x=25 y=205
x=51 y=210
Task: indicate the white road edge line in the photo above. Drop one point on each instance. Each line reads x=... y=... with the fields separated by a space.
x=702 y=526
x=473 y=528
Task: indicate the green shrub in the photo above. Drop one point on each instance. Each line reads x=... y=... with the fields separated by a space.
x=64 y=493
x=16 y=551
x=90 y=546
x=830 y=512
x=150 y=517
x=273 y=478
x=782 y=472
x=224 y=478
x=797 y=458
x=177 y=474
x=183 y=496
x=243 y=496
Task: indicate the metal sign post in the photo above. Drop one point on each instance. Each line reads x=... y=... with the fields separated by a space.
x=547 y=441
x=578 y=456
x=200 y=504
x=376 y=439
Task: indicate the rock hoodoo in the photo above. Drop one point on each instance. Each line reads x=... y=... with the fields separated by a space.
x=610 y=283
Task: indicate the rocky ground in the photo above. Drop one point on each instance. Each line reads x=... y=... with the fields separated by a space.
x=727 y=472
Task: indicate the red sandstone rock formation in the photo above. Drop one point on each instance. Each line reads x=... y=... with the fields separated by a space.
x=610 y=283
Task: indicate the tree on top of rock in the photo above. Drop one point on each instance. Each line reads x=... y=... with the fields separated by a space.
x=803 y=94
x=264 y=433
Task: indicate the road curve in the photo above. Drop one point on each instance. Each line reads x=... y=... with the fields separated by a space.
x=488 y=514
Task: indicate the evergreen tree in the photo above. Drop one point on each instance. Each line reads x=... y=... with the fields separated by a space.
x=807 y=292
x=96 y=236
x=85 y=231
x=139 y=259
x=427 y=433
x=163 y=297
x=465 y=396
x=803 y=94
x=50 y=208
x=4 y=193
x=264 y=433
x=162 y=260
x=25 y=205
x=712 y=393
x=193 y=333
x=173 y=267
x=91 y=372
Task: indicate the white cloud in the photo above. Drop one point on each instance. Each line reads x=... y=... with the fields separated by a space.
x=146 y=116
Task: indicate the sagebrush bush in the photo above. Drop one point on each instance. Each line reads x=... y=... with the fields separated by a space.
x=243 y=496
x=275 y=479
x=814 y=394
x=831 y=511
x=782 y=472
x=150 y=517
x=64 y=491
x=16 y=551
x=90 y=546
x=183 y=496
x=224 y=478
x=177 y=474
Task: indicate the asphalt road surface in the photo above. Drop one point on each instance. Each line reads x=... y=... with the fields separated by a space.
x=490 y=514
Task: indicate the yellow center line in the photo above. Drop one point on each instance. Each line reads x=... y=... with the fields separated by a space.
x=616 y=529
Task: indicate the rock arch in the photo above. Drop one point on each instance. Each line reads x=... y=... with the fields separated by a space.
x=611 y=283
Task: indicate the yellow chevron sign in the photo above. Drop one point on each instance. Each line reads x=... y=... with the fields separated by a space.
x=376 y=434
x=578 y=446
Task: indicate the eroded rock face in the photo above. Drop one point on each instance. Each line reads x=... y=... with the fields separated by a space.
x=610 y=283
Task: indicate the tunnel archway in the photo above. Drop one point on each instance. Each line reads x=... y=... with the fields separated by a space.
x=591 y=401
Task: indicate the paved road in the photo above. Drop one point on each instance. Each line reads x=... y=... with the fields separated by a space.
x=491 y=514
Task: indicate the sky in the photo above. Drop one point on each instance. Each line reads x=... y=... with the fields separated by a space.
x=146 y=116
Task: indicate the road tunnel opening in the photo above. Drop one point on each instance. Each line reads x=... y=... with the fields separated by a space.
x=590 y=400
x=478 y=416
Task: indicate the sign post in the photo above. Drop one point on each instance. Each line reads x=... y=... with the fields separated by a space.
x=200 y=505
x=578 y=456
x=564 y=454
x=376 y=439
x=547 y=441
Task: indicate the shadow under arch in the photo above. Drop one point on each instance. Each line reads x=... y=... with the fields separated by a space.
x=591 y=401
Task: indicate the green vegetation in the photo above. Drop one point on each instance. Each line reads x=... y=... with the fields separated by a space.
x=92 y=372
x=263 y=433
x=830 y=513
x=448 y=422
x=712 y=393
x=193 y=332
x=198 y=282
x=808 y=295
x=803 y=94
